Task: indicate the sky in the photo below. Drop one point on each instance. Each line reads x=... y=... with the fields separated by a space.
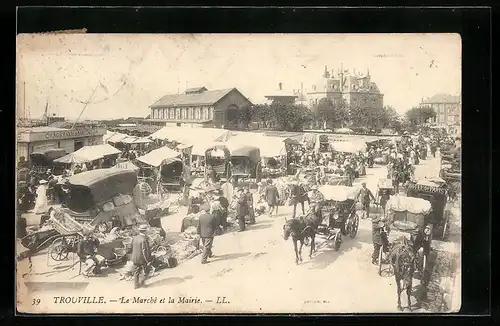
x=123 y=74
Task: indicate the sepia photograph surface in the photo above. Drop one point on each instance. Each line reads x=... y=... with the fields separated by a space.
x=238 y=173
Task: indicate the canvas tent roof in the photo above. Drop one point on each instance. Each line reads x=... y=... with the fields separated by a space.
x=88 y=154
x=126 y=166
x=269 y=146
x=142 y=140
x=117 y=137
x=157 y=157
x=185 y=135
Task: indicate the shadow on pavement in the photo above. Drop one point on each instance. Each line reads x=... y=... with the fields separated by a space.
x=258 y=226
x=327 y=255
x=169 y=281
x=229 y=256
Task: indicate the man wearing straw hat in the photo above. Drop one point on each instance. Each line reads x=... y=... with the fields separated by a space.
x=141 y=256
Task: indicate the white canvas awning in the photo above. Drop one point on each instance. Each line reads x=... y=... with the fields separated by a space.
x=89 y=154
x=157 y=157
x=117 y=137
x=142 y=140
x=127 y=166
x=185 y=135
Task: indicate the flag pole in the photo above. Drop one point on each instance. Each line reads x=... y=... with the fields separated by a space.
x=86 y=103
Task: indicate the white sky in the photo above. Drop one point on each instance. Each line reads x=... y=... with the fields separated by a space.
x=137 y=69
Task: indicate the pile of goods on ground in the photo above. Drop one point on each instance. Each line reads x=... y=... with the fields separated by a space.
x=188 y=246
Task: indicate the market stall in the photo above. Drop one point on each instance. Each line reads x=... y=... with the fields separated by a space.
x=162 y=169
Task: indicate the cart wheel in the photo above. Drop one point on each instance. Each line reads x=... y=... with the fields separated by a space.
x=380 y=260
x=354 y=227
x=59 y=250
x=338 y=241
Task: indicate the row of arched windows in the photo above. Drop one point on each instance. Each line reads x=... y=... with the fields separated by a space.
x=190 y=113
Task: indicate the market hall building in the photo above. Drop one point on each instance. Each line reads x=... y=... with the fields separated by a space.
x=40 y=139
x=197 y=107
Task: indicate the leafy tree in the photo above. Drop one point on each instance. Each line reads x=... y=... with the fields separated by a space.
x=290 y=116
x=326 y=112
x=419 y=115
x=233 y=117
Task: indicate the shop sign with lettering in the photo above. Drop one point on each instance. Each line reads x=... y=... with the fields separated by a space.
x=74 y=133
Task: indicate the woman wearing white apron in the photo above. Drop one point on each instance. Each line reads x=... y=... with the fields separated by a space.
x=41 y=205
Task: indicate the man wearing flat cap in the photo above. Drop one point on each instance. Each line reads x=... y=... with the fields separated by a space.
x=141 y=256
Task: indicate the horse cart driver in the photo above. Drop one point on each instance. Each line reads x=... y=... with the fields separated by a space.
x=316 y=199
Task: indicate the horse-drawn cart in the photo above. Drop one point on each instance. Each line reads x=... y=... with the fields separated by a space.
x=70 y=233
x=436 y=193
x=340 y=208
x=407 y=216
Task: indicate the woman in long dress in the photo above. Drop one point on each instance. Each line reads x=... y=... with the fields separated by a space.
x=41 y=205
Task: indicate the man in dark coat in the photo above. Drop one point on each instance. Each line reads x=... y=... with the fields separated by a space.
x=225 y=205
x=379 y=238
x=242 y=209
x=251 y=211
x=141 y=256
x=364 y=196
x=206 y=230
x=299 y=195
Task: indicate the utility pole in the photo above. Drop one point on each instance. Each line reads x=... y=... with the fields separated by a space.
x=86 y=103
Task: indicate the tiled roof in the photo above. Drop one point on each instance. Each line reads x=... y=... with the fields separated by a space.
x=203 y=98
x=443 y=98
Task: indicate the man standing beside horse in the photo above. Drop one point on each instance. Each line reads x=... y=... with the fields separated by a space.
x=364 y=196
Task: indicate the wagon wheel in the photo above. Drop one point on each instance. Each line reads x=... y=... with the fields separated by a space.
x=59 y=249
x=354 y=227
x=381 y=250
x=338 y=241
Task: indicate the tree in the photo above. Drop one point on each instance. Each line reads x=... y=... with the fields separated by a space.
x=371 y=118
x=326 y=112
x=290 y=116
x=419 y=115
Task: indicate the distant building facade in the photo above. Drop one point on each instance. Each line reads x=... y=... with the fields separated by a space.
x=354 y=90
x=282 y=96
x=197 y=107
x=448 y=110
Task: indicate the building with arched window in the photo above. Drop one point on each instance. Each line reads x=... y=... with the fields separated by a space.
x=197 y=107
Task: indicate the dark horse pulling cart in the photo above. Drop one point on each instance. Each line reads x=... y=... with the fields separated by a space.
x=406 y=215
x=338 y=206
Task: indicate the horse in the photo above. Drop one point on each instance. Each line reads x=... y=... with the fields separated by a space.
x=403 y=260
x=302 y=228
